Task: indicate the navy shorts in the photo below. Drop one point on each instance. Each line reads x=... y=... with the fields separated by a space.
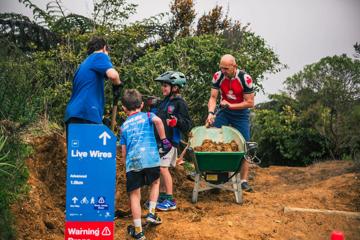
x=146 y=176
x=239 y=119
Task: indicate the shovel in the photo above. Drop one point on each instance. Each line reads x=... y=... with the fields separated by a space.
x=220 y=108
x=113 y=117
x=114 y=109
x=180 y=159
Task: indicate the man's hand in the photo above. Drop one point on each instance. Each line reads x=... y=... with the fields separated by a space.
x=116 y=92
x=171 y=122
x=210 y=119
x=165 y=147
x=225 y=104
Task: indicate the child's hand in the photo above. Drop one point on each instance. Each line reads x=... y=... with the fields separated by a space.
x=171 y=122
x=165 y=147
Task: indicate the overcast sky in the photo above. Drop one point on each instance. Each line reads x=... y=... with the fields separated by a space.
x=301 y=32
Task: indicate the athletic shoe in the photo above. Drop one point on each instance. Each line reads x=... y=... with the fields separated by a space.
x=131 y=232
x=166 y=205
x=246 y=187
x=153 y=219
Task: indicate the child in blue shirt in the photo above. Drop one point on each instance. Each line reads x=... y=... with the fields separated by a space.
x=139 y=148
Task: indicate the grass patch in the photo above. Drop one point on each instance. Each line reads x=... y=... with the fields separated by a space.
x=13 y=176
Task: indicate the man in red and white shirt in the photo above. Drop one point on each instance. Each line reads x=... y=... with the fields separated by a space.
x=237 y=96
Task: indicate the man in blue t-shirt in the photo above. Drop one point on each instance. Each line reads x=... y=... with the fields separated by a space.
x=87 y=101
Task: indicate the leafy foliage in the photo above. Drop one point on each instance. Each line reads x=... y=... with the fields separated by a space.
x=39 y=58
x=325 y=102
x=357 y=50
x=112 y=13
x=333 y=82
x=41 y=17
x=27 y=35
x=183 y=15
x=212 y=23
x=285 y=137
x=197 y=58
x=13 y=175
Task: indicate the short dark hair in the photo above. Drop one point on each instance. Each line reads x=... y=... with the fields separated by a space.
x=96 y=43
x=131 y=99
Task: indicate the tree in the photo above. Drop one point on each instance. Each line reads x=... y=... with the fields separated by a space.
x=357 y=50
x=27 y=35
x=213 y=23
x=287 y=134
x=183 y=15
x=333 y=82
x=197 y=58
x=111 y=14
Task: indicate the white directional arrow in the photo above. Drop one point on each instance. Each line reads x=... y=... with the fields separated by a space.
x=104 y=136
x=74 y=199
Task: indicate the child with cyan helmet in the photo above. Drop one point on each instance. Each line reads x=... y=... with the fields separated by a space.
x=173 y=111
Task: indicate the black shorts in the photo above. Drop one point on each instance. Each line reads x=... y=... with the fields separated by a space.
x=146 y=176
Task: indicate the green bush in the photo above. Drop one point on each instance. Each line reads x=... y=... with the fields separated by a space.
x=13 y=177
x=284 y=140
x=198 y=59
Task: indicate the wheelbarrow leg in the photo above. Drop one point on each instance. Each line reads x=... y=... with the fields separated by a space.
x=196 y=188
x=237 y=188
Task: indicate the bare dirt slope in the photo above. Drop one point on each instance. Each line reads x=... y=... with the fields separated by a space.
x=331 y=185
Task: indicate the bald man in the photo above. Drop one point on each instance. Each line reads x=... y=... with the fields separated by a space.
x=237 y=94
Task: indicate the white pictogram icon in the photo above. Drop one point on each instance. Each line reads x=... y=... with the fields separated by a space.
x=104 y=136
x=106 y=231
x=101 y=200
x=84 y=201
x=75 y=143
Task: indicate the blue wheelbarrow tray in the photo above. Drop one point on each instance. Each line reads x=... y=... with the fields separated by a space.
x=217 y=162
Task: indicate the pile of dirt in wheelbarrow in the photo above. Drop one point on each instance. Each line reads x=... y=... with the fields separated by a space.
x=211 y=146
x=333 y=185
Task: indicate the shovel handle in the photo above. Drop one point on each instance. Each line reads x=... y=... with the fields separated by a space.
x=113 y=117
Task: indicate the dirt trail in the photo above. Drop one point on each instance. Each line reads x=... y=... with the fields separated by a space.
x=331 y=185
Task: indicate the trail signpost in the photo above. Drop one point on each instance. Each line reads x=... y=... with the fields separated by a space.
x=90 y=182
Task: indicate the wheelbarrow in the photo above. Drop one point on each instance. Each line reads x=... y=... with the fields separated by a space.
x=219 y=170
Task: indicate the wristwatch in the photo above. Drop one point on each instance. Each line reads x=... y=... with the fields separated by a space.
x=212 y=113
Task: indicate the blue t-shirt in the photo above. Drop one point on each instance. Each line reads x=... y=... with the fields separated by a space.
x=87 y=99
x=137 y=133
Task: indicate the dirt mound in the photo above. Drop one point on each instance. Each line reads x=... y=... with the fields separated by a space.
x=41 y=214
x=331 y=185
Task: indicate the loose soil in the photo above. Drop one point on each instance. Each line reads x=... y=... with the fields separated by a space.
x=333 y=185
x=211 y=146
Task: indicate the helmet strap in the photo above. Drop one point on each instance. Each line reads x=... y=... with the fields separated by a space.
x=174 y=92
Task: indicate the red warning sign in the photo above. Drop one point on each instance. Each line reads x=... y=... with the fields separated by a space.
x=89 y=230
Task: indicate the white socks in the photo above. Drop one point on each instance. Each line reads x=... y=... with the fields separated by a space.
x=137 y=224
x=152 y=206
